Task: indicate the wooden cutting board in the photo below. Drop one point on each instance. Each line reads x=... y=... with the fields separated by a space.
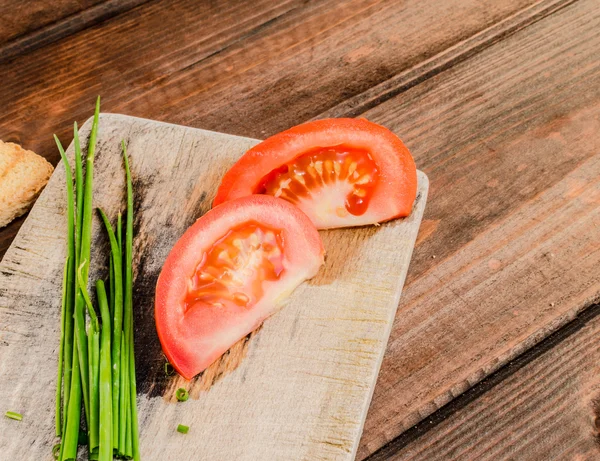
x=297 y=389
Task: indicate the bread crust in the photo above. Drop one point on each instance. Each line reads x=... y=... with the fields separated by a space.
x=23 y=175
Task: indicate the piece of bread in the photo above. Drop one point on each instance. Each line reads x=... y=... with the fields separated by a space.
x=23 y=175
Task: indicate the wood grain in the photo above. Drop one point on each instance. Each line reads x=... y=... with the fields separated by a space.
x=509 y=141
x=20 y=18
x=317 y=359
x=35 y=24
x=202 y=66
x=547 y=410
x=494 y=114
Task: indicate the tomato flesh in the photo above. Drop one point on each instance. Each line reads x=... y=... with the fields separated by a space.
x=234 y=268
x=340 y=172
x=337 y=179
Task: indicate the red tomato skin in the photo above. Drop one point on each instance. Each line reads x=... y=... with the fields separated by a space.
x=192 y=341
x=396 y=189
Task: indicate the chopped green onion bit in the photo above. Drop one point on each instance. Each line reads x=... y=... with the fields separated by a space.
x=183 y=429
x=169 y=369
x=182 y=395
x=56 y=451
x=13 y=415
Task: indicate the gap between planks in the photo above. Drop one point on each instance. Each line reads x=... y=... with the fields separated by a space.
x=67 y=26
x=398 y=84
x=414 y=76
x=487 y=384
x=424 y=70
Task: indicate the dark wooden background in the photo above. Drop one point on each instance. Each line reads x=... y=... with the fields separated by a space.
x=495 y=351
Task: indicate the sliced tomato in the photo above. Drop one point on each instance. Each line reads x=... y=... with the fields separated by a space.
x=340 y=172
x=227 y=273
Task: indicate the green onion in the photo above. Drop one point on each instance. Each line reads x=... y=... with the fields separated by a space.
x=100 y=359
x=81 y=238
x=124 y=397
x=78 y=183
x=94 y=372
x=105 y=381
x=71 y=433
x=128 y=442
x=117 y=320
x=56 y=451
x=128 y=307
x=14 y=415
x=57 y=415
x=68 y=300
x=85 y=233
x=169 y=369
x=120 y=232
x=183 y=429
x=110 y=292
x=86 y=296
x=86 y=227
x=182 y=395
x=77 y=239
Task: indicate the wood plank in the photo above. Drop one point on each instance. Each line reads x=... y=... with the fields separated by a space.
x=447 y=229
x=317 y=359
x=231 y=75
x=548 y=409
x=505 y=138
x=32 y=25
x=20 y=18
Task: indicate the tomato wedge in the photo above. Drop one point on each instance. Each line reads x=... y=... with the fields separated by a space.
x=341 y=172
x=227 y=273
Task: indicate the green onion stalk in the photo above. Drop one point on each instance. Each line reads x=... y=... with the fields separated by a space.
x=96 y=365
x=129 y=306
x=66 y=346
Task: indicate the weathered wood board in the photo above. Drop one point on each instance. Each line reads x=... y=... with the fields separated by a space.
x=304 y=386
x=547 y=410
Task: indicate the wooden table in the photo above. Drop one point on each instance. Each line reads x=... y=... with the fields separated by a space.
x=495 y=351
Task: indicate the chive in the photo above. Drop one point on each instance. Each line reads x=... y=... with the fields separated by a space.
x=86 y=296
x=183 y=429
x=71 y=433
x=125 y=430
x=85 y=233
x=117 y=318
x=77 y=238
x=129 y=305
x=68 y=301
x=78 y=183
x=110 y=295
x=86 y=227
x=123 y=397
x=93 y=416
x=106 y=404
x=81 y=345
x=94 y=428
x=182 y=395
x=56 y=451
x=128 y=443
x=14 y=415
x=120 y=232
x=81 y=238
x=57 y=414
x=169 y=369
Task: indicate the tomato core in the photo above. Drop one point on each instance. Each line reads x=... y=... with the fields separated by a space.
x=233 y=269
x=351 y=172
